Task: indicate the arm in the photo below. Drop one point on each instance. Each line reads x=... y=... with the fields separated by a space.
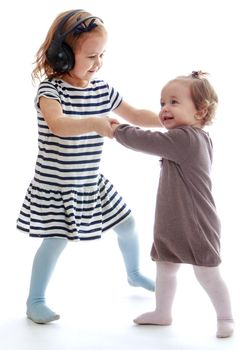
x=172 y=145
x=139 y=140
x=63 y=126
x=140 y=117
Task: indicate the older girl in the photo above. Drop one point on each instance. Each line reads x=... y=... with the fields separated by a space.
x=68 y=198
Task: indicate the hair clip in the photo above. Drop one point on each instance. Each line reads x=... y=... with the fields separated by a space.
x=83 y=28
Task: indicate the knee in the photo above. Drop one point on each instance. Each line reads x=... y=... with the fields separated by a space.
x=169 y=268
x=127 y=226
x=205 y=275
x=55 y=243
x=199 y=273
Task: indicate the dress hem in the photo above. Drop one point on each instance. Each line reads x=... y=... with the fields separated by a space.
x=76 y=238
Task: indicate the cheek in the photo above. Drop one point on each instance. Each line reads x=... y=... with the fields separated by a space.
x=162 y=111
x=160 y=117
x=77 y=67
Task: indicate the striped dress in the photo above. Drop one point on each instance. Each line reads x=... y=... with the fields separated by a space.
x=68 y=196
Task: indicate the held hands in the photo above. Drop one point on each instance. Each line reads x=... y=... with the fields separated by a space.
x=114 y=125
x=105 y=126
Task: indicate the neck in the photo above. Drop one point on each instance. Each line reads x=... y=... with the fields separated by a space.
x=72 y=80
x=198 y=125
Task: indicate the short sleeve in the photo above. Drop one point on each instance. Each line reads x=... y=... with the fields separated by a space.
x=115 y=98
x=46 y=89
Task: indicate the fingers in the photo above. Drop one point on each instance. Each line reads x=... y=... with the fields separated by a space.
x=106 y=126
x=114 y=126
x=113 y=123
x=109 y=130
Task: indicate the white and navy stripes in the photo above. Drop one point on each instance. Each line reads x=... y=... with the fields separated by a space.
x=68 y=197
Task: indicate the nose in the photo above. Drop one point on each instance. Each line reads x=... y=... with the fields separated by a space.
x=164 y=107
x=98 y=62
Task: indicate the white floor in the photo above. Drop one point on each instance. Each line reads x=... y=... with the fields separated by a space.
x=96 y=305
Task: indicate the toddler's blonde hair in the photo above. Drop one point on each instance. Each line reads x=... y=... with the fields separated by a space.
x=202 y=93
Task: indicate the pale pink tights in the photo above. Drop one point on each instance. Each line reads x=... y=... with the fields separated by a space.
x=209 y=278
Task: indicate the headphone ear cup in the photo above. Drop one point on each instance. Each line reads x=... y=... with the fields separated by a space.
x=60 y=57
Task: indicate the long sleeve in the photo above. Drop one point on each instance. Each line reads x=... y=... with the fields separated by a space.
x=172 y=145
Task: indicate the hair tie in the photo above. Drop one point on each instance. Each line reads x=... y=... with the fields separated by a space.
x=198 y=74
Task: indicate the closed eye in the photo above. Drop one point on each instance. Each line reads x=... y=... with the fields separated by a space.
x=96 y=55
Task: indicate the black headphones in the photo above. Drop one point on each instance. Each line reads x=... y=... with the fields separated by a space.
x=60 y=55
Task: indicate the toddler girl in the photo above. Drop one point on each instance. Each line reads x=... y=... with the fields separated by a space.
x=187 y=228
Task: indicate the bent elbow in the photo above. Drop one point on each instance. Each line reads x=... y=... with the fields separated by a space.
x=57 y=129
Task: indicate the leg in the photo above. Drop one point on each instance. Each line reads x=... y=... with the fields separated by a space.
x=129 y=246
x=166 y=284
x=44 y=262
x=211 y=281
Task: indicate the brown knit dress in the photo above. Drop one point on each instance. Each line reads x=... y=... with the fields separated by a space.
x=186 y=227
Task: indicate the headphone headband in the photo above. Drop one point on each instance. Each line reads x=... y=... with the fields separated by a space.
x=59 y=36
x=61 y=24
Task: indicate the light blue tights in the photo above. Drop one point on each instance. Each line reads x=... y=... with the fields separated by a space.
x=129 y=246
x=46 y=258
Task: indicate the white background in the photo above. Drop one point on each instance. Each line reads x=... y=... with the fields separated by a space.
x=150 y=42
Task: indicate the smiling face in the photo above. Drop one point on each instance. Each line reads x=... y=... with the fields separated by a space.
x=177 y=106
x=88 y=58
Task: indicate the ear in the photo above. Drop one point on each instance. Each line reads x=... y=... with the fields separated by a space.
x=201 y=114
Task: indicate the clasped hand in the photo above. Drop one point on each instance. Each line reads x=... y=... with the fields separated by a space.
x=106 y=126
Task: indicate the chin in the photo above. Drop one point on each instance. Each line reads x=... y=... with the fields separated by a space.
x=169 y=126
